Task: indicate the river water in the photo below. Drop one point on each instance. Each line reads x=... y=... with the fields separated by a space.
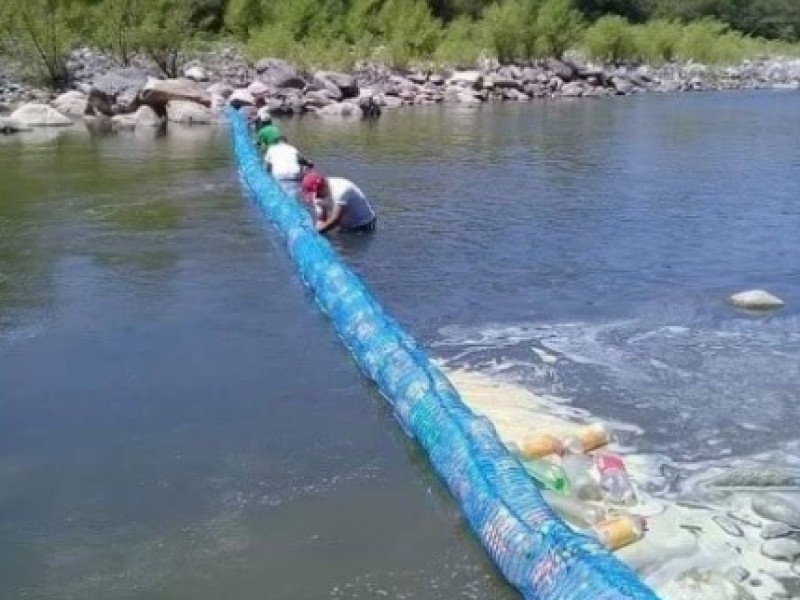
x=178 y=420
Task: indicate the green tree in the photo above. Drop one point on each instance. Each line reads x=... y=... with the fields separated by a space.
x=558 y=27
x=165 y=33
x=243 y=16
x=611 y=39
x=510 y=28
x=38 y=33
x=115 y=24
x=461 y=44
x=409 y=30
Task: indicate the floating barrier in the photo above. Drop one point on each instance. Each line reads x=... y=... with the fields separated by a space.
x=535 y=550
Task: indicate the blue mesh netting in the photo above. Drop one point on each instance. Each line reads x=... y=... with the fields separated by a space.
x=535 y=550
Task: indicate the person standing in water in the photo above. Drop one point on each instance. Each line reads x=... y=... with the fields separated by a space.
x=284 y=161
x=339 y=203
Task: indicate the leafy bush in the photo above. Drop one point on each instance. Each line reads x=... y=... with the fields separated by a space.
x=658 y=41
x=242 y=16
x=558 y=27
x=510 y=29
x=461 y=44
x=611 y=39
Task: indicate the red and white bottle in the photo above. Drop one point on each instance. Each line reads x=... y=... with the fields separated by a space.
x=614 y=479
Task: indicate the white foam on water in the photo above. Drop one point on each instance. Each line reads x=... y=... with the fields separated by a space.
x=686 y=511
x=683 y=534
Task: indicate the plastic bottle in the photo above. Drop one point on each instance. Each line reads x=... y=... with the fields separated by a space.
x=573 y=510
x=549 y=475
x=587 y=439
x=582 y=484
x=614 y=479
x=621 y=531
x=539 y=446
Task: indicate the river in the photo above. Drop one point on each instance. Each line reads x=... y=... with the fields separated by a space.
x=178 y=420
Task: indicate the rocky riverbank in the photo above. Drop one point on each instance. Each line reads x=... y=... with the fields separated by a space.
x=134 y=97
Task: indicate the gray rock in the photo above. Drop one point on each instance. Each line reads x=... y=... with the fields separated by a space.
x=157 y=93
x=436 y=79
x=776 y=508
x=536 y=90
x=756 y=300
x=510 y=72
x=498 y=81
x=775 y=530
x=622 y=85
x=515 y=95
x=258 y=88
x=115 y=87
x=72 y=103
x=574 y=89
x=340 y=110
x=782 y=549
x=326 y=85
x=345 y=82
x=8 y=125
x=418 y=78
x=39 y=115
x=319 y=98
x=467 y=79
x=196 y=74
x=279 y=73
x=390 y=102
x=220 y=89
x=241 y=97
x=562 y=69
x=192 y=113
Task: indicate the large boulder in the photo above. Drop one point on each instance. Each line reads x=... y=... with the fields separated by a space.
x=756 y=300
x=241 y=97
x=12 y=126
x=345 y=110
x=279 y=73
x=574 y=89
x=116 y=91
x=346 y=83
x=220 y=89
x=467 y=79
x=39 y=115
x=145 y=117
x=72 y=103
x=564 y=70
x=192 y=113
x=622 y=85
x=319 y=98
x=157 y=93
x=258 y=88
x=196 y=74
x=321 y=84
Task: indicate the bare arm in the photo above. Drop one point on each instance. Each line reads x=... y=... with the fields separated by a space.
x=331 y=220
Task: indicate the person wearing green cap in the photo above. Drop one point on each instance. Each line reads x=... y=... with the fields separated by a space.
x=268 y=135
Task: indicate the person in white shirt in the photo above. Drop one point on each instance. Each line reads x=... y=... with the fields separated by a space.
x=339 y=204
x=286 y=164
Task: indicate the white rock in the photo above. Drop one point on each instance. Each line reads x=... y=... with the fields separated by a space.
x=468 y=98
x=161 y=91
x=182 y=111
x=146 y=117
x=390 y=102
x=775 y=530
x=756 y=300
x=347 y=110
x=12 y=126
x=257 y=89
x=39 y=115
x=468 y=78
x=241 y=97
x=220 y=89
x=196 y=74
x=71 y=103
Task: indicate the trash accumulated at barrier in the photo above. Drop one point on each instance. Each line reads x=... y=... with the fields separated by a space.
x=534 y=549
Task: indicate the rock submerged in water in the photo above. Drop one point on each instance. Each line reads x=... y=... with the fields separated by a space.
x=39 y=115
x=776 y=508
x=756 y=300
x=775 y=530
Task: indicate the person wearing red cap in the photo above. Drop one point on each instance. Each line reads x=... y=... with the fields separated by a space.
x=340 y=204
